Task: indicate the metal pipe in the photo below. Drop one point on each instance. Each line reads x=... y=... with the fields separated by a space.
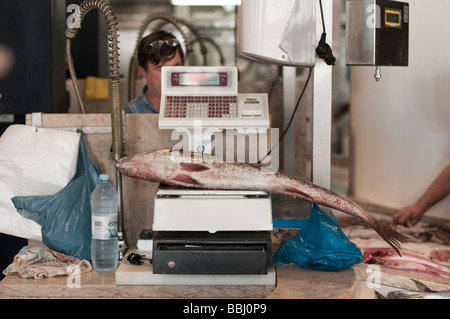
x=116 y=110
x=204 y=51
x=73 y=76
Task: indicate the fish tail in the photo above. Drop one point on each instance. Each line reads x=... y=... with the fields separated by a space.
x=335 y=201
x=391 y=236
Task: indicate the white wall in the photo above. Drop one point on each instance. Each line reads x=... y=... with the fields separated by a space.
x=401 y=125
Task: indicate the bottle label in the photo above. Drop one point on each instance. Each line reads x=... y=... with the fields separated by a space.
x=104 y=227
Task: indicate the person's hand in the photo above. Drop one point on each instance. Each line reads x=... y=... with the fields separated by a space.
x=408 y=216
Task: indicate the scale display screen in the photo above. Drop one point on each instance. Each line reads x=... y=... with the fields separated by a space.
x=199 y=79
x=392 y=18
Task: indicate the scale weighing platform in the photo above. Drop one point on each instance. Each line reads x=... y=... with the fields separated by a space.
x=207 y=237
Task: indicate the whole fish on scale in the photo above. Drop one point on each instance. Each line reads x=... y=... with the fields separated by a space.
x=205 y=171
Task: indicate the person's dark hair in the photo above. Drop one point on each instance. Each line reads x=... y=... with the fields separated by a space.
x=154 y=54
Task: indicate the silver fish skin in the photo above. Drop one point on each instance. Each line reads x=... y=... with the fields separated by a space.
x=423 y=293
x=205 y=171
x=405 y=294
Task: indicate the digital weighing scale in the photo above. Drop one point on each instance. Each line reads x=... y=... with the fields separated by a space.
x=207 y=237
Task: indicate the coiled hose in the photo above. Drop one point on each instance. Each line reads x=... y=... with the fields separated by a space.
x=116 y=110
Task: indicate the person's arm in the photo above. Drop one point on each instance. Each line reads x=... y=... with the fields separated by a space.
x=439 y=189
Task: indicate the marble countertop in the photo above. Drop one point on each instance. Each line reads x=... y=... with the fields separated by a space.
x=293 y=282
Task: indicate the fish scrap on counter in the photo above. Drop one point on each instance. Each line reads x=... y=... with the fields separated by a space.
x=423 y=293
x=410 y=261
x=439 y=234
x=206 y=171
x=441 y=254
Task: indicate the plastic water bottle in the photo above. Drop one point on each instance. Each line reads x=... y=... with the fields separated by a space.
x=104 y=207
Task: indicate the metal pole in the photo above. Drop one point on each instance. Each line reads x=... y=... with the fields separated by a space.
x=321 y=135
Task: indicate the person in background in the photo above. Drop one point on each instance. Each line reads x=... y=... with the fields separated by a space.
x=156 y=50
x=439 y=189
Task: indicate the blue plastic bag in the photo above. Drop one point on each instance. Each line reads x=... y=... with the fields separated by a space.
x=319 y=244
x=65 y=217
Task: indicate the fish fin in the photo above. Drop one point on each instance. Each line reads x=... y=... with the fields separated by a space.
x=380 y=296
x=422 y=286
x=192 y=167
x=186 y=179
x=296 y=193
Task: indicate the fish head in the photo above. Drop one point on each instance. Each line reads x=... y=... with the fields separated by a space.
x=146 y=166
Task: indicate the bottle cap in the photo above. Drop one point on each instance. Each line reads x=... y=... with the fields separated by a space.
x=104 y=177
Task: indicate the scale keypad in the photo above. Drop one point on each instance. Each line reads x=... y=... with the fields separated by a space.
x=201 y=106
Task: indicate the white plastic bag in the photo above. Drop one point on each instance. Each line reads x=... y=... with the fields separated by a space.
x=33 y=161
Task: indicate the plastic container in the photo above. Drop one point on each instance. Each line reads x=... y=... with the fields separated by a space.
x=104 y=207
